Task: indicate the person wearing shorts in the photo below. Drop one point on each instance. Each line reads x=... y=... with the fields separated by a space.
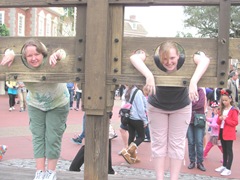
x=169 y=108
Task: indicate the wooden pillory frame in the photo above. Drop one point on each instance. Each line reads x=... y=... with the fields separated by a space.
x=98 y=59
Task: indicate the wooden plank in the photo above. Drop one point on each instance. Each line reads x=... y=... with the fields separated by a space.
x=178 y=81
x=116 y=28
x=96 y=56
x=223 y=42
x=68 y=70
x=190 y=45
x=80 y=46
x=116 y=17
x=97 y=122
x=58 y=3
x=45 y=77
x=170 y=2
x=52 y=43
x=40 y=3
x=96 y=147
x=234 y=48
x=164 y=2
x=150 y=44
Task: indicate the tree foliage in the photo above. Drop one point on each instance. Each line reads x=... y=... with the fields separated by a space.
x=4 y=30
x=205 y=20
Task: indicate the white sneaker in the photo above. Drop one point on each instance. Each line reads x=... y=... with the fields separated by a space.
x=50 y=175
x=10 y=109
x=39 y=175
x=13 y=108
x=220 y=169
x=226 y=172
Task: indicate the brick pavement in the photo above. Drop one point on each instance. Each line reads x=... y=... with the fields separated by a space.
x=14 y=132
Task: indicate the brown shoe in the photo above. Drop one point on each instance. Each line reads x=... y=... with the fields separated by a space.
x=127 y=156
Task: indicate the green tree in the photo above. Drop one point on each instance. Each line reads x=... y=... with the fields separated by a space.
x=205 y=20
x=4 y=30
x=182 y=34
x=68 y=20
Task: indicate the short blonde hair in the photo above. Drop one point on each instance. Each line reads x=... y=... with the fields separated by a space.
x=165 y=48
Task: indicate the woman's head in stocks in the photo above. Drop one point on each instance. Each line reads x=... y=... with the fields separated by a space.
x=33 y=52
x=169 y=55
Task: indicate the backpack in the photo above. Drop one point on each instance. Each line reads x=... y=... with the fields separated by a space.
x=124 y=112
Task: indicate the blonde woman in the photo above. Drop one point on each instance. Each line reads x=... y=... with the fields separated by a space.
x=169 y=108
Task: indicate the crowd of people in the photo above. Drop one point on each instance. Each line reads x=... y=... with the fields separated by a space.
x=163 y=116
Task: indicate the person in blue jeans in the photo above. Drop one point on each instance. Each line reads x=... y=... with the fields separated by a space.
x=79 y=138
x=147 y=134
x=70 y=87
x=78 y=95
x=195 y=134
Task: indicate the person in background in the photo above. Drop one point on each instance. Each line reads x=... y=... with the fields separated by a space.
x=78 y=95
x=137 y=122
x=123 y=128
x=3 y=149
x=147 y=135
x=22 y=94
x=147 y=131
x=212 y=122
x=227 y=120
x=70 y=87
x=48 y=107
x=78 y=160
x=121 y=90
x=195 y=134
x=78 y=139
x=232 y=85
x=169 y=108
x=12 y=93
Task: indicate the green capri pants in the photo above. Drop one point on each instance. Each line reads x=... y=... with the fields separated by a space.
x=47 y=129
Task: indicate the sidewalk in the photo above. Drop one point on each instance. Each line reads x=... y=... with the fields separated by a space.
x=14 y=132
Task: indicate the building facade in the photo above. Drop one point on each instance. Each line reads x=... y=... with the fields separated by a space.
x=32 y=21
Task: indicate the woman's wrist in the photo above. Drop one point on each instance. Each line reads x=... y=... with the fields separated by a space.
x=61 y=54
x=9 y=52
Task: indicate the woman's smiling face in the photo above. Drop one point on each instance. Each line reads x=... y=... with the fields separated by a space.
x=170 y=60
x=33 y=57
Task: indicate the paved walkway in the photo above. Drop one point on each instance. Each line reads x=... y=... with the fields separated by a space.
x=14 y=132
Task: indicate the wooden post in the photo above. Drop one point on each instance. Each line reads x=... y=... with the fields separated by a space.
x=95 y=90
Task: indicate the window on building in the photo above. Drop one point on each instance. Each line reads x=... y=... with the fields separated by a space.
x=1 y=17
x=48 y=25
x=54 y=27
x=41 y=24
x=134 y=26
x=21 y=25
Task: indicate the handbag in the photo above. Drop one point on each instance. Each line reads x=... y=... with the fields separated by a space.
x=125 y=110
x=199 y=120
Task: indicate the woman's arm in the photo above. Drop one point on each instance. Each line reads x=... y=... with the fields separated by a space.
x=202 y=62
x=137 y=61
x=232 y=118
x=59 y=55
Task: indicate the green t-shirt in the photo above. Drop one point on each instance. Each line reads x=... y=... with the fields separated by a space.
x=47 y=96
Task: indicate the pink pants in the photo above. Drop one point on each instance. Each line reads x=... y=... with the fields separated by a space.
x=209 y=147
x=168 y=131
